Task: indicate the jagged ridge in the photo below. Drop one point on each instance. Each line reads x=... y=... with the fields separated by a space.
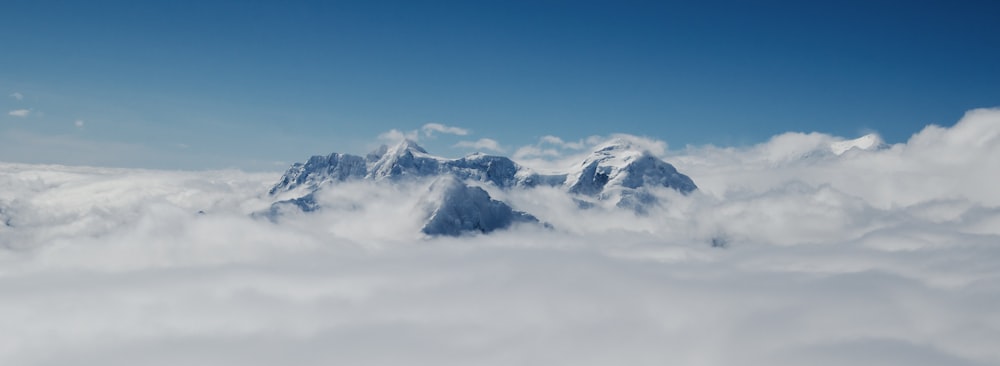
x=618 y=163
x=617 y=171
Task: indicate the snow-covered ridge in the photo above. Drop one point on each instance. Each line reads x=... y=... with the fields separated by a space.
x=867 y=142
x=618 y=171
x=617 y=163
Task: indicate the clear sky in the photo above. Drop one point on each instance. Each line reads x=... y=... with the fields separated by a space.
x=255 y=84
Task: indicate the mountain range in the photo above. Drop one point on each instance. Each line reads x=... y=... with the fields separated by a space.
x=619 y=171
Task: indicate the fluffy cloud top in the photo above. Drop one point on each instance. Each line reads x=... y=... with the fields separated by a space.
x=871 y=257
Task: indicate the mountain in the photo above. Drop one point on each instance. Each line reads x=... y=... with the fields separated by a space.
x=621 y=164
x=618 y=171
x=453 y=208
x=618 y=163
x=867 y=142
x=402 y=161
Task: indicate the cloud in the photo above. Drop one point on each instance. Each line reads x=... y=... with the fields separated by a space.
x=553 y=140
x=19 y=113
x=395 y=135
x=17 y=95
x=870 y=257
x=555 y=153
x=481 y=144
x=430 y=128
x=78 y=123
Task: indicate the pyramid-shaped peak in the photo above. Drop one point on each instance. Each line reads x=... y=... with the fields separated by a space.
x=406 y=145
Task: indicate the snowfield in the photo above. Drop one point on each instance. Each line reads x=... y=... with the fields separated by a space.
x=806 y=249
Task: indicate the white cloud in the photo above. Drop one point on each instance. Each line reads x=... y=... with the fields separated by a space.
x=481 y=144
x=395 y=135
x=17 y=95
x=430 y=128
x=20 y=113
x=555 y=153
x=870 y=257
x=554 y=140
x=78 y=123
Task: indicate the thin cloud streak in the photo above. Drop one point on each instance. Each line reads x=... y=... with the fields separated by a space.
x=481 y=144
x=21 y=113
x=430 y=128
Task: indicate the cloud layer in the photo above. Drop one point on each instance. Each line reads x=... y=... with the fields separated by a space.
x=868 y=258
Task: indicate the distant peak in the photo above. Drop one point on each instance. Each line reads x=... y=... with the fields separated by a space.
x=870 y=141
x=406 y=145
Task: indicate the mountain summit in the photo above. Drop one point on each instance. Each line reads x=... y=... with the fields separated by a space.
x=621 y=163
x=452 y=208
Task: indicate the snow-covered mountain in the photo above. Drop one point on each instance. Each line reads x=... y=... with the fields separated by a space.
x=867 y=142
x=621 y=164
x=617 y=163
x=452 y=207
x=404 y=160
x=618 y=171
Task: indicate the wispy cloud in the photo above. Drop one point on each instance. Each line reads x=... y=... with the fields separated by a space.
x=17 y=95
x=430 y=128
x=20 y=113
x=549 y=147
x=554 y=140
x=78 y=123
x=395 y=135
x=481 y=144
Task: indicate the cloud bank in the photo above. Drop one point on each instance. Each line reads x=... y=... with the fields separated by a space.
x=787 y=254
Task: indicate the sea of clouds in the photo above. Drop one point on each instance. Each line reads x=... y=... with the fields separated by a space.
x=784 y=256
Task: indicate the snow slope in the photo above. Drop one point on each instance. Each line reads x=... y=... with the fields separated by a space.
x=453 y=208
x=867 y=142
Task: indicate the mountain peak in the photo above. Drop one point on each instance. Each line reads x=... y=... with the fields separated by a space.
x=406 y=145
x=616 y=144
x=870 y=141
x=454 y=208
x=623 y=163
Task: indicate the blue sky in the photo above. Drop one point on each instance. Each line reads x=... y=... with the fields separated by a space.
x=213 y=84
